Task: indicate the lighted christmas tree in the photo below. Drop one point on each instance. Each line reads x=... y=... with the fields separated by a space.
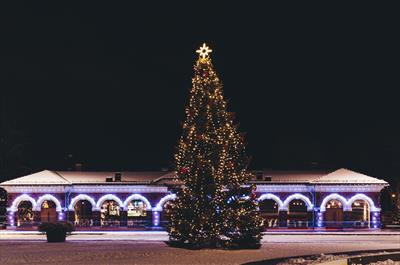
x=213 y=207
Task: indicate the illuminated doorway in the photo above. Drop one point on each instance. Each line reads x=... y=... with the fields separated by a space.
x=48 y=212
x=110 y=213
x=334 y=214
x=25 y=214
x=297 y=214
x=269 y=211
x=137 y=214
x=83 y=215
x=360 y=214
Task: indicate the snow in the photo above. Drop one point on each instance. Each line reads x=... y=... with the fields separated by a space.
x=314 y=260
x=386 y=262
x=149 y=248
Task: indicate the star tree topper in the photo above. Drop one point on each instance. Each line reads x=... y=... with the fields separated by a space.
x=203 y=51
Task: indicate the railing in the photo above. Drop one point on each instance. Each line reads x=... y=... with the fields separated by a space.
x=349 y=224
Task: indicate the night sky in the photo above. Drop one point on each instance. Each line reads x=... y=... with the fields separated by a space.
x=314 y=86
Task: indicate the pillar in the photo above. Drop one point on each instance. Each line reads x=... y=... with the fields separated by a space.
x=310 y=218
x=282 y=218
x=10 y=219
x=61 y=216
x=96 y=218
x=319 y=219
x=36 y=218
x=123 y=217
x=70 y=216
x=347 y=220
x=375 y=219
x=156 y=218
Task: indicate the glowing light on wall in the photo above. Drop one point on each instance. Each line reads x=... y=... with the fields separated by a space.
x=19 y=199
x=48 y=197
x=333 y=196
x=160 y=204
x=81 y=197
x=137 y=197
x=60 y=216
x=106 y=198
x=11 y=219
x=298 y=196
x=156 y=218
x=270 y=196
x=320 y=219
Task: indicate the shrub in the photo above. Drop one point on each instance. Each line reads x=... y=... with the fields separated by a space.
x=57 y=231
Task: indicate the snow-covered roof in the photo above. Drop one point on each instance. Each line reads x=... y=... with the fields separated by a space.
x=292 y=176
x=340 y=176
x=47 y=177
x=344 y=176
x=43 y=177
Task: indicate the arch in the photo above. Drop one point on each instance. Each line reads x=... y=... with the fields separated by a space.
x=333 y=196
x=160 y=204
x=298 y=196
x=270 y=196
x=108 y=197
x=48 y=197
x=363 y=197
x=81 y=197
x=137 y=197
x=19 y=199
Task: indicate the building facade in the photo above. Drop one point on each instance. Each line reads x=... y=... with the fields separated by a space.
x=137 y=200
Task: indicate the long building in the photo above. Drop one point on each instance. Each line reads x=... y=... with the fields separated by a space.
x=137 y=200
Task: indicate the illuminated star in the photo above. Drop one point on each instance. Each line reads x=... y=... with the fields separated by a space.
x=203 y=51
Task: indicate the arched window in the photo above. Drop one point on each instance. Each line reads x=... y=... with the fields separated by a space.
x=297 y=214
x=137 y=215
x=48 y=212
x=334 y=213
x=25 y=214
x=360 y=214
x=136 y=208
x=269 y=210
x=297 y=206
x=110 y=213
x=83 y=215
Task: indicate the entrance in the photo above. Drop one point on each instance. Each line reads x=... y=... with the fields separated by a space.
x=110 y=213
x=83 y=216
x=360 y=214
x=137 y=214
x=269 y=212
x=25 y=214
x=297 y=214
x=48 y=212
x=334 y=214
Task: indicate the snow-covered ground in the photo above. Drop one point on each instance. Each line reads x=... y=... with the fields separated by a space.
x=149 y=248
x=386 y=262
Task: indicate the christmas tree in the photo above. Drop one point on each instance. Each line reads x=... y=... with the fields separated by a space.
x=213 y=206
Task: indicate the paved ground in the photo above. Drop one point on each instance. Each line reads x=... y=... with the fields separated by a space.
x=131 y=248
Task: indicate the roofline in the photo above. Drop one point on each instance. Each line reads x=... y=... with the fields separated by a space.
x=58 y=174
x=316 y=184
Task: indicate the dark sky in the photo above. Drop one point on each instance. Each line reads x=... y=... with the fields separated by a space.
x=108 y=83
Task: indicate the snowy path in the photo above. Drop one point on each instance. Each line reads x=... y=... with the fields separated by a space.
x=78 y=251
